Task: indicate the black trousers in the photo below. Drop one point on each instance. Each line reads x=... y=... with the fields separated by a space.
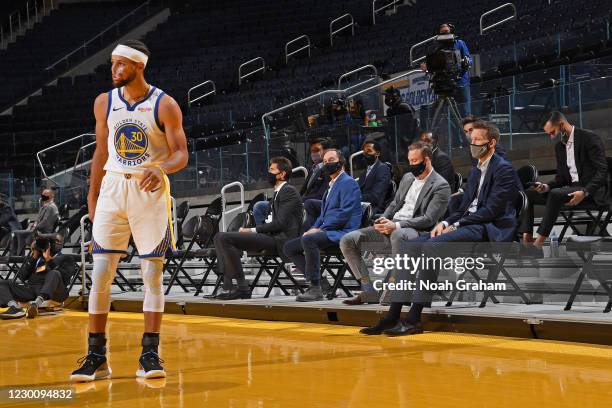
x=229 y=247
x=52 y=288
x=554 y=200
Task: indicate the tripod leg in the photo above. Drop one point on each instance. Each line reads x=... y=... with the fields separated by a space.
x=435 y=121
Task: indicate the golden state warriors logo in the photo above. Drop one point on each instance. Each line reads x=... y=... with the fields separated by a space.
x=131 y=144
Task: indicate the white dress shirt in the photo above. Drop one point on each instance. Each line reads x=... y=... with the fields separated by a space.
x=571 y=159
x=407 y=210
x=269 y=217
x=483 y=172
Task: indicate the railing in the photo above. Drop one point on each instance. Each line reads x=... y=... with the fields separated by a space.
x=305 y=47
x=250 y=73
x=115 y=25
x=38 y=154
x=300 y=169
x=358 y=153
x=20 y=18
x=225 y=212
x=412 y=60
x=348 y=74
x=512 y=17
x=333 y=32
x=386 y=6
x=211 y=92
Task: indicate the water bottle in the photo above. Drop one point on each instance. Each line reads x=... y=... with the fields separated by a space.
x=554 y=245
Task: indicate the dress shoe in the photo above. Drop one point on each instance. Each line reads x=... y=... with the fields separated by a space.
x=362 y=298
x=312 y=294
x=531 y=251
x=382 y=325
x=234 y=294
x=404 y=328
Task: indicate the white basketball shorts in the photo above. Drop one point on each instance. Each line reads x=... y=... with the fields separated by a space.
x=124 y=210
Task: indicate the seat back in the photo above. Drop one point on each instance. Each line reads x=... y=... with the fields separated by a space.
x=189 y=229
x=609 y=160
x=241 y=220
x=259 y=197
x=520 y=206
x=181 y=212
x=366 y=214
x=64 y=211
x=215 y=208
x=390 y=194
x=527 y=174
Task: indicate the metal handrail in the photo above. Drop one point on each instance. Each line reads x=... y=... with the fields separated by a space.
x=359 y=153
x=262 y=68
x=26 y=18
x=42 y=168
x=430 y=39
x=307 y=46
x=512 y=17
x=375 y=10
x=363 y=68
x=101 y=33
x=213 y=92
x=331 y=27
x=300 y=169
x=83 y=256
x=224 y=202
x=76 y=161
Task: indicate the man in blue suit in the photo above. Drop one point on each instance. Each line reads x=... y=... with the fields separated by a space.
x=486 y=213
x=374 y=182
x=340 y=214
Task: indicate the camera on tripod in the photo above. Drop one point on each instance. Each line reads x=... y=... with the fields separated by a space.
x=445 y=65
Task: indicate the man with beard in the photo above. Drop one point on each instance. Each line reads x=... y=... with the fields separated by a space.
x=139 y=139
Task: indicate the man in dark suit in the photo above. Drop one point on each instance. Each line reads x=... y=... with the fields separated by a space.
x=314 y=186
x=486 y=213
x=340 y=214
x=418 y=205
x=440 y=161
x=582 y=177
x=374 y=182
x=283 y=223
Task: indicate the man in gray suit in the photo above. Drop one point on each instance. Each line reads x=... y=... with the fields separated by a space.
x=47 y=218
x=419 y=203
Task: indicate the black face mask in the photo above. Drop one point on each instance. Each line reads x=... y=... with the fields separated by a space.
x=370 y=158
x=417 y=169
x=44 y=197
x=391 y=101
x=331 y=168
x=272 y=178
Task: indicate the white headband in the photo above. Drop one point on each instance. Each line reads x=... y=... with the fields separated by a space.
x=130 y=53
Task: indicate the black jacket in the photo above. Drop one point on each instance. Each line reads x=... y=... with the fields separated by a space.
x=374 y=186
x=443 y=166
x=287 y=214
x=315 y=184
x=590 y=156
x=64 y=264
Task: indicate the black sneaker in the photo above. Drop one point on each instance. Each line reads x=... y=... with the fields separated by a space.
x=150 y=366
x=12 y=312
x=93 y=367
x=32 y=311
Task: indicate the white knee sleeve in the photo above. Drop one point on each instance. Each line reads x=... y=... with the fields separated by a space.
x=152 y=277
x=104 y=270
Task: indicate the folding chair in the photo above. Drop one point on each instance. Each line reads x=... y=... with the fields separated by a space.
x=198 y=230
x=596 y=252
x=495 y=266
x=527 y=174
x=458 y=182
x=328 y=255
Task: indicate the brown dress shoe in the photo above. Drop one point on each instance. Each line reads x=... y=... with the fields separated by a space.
x=362 y=298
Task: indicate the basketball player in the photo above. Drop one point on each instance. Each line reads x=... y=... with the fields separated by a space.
x=139 y=139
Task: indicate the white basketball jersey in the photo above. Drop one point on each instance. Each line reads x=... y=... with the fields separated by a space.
x=136 y=139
